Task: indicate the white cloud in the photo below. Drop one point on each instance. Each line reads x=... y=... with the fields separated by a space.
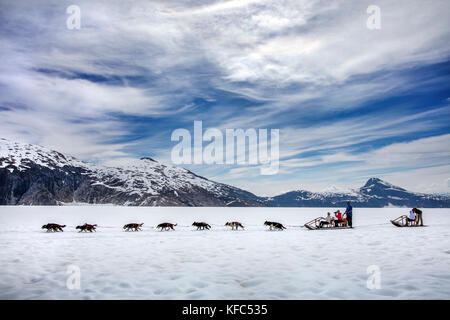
x=180 y=46
x=421 y=165
x=77 y=96
x=334 y=135
x=428 y=180
x=431 y=151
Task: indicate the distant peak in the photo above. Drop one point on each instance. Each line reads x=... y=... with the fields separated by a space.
x=149 y=159
x=300 y=190
x=372 y=181
x=380 y=184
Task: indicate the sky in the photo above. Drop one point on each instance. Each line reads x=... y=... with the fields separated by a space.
x=350 y=102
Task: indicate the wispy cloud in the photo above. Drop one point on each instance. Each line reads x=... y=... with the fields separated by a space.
x=339 y=93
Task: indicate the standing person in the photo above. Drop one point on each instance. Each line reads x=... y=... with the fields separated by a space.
x=349 y=213
x=418 y=216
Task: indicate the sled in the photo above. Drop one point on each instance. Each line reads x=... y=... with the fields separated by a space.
x=315 y=225
x=402 y=222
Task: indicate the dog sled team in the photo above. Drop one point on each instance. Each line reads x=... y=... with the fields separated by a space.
x=338 y=221
x=165 y=226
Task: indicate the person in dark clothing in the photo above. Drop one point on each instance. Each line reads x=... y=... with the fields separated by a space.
x=418 y=216
x=349 y=213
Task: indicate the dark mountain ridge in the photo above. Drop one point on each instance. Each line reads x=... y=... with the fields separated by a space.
x=33 y=175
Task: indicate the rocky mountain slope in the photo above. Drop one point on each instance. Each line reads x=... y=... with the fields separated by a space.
x=34 y=175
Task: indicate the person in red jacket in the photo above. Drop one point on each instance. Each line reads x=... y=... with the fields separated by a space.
x=338 y=219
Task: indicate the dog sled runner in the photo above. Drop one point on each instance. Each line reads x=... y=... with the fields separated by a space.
x=315 y=225
x=402 y=221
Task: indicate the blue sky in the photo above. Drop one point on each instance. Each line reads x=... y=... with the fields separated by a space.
x=350 y=103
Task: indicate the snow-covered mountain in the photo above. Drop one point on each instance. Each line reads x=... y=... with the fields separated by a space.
x=375 y=193
x=34 y=175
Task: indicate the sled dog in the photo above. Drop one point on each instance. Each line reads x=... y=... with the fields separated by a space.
x=201 y=225
x=234 y=225
x=133 y=227
x=87 y=227
x=53 y=227
x=274 y=225
x=166 y=226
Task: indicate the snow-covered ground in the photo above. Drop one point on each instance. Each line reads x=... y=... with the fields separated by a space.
x=296 y=263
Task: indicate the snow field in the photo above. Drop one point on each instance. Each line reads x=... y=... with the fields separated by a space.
x=255 y=263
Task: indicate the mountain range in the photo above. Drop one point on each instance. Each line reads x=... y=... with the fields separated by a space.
x=374 y=194
x=34 y=175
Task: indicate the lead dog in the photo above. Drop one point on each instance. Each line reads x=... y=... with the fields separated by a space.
x=54 y=227
x=133 y=226
x=166 y=226
x=87 y=227
x=274 y=225
x=201 y=225
x=234 y=225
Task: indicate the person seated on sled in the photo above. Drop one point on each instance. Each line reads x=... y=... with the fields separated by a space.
x=338 y=218
x=327 y=220
x=411 y=218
